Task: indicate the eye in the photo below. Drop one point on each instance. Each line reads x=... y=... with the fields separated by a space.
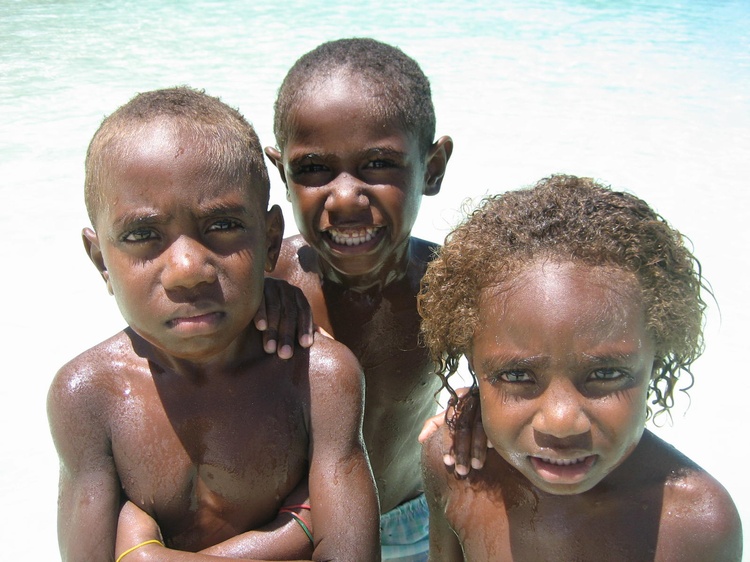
x=512 y=376
x=139 y=235
x=607 y=374
x=380 y=164
x=309 y=168
x=224 y=224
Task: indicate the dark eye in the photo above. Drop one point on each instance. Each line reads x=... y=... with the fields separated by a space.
x=310 y=168
x=139 y=235
x=224 y=224
x=380 y=163
x=514 y=376
x=607 y=374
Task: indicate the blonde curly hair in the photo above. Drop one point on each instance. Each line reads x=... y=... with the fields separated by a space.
x=575 y=219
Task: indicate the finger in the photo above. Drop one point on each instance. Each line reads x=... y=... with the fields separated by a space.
x=272 y=304
x=305 y=321
x=260 y=321
x=287 y=323
x=462 y=440
x=431 y=426
x=478 y=444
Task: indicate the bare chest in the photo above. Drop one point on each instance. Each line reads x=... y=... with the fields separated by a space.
x=492 y=528
x=208 y=467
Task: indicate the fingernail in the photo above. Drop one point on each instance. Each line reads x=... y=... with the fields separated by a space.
x=462 y=470
x=306 y=340
x=476 y=464
x=262 y=325
x=449 y=460
x=285 y=352
x=270 y=346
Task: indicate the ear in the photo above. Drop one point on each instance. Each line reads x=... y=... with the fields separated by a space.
x=274 y=155
x=93 y=250
x=437 y=160
x=274 y=236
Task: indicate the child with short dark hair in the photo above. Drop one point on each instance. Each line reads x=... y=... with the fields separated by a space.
x=355 y=125
x=182 y=416
x=577 y=308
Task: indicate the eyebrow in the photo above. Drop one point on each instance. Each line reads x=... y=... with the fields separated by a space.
x=505 y=361
x=375 y=150
x=220 y=209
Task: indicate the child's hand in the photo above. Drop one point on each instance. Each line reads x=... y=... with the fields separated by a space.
x=468 y=434
x=136 y=527
x=283 y=314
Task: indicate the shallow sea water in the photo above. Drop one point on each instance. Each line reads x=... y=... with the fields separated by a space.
x=652 y=97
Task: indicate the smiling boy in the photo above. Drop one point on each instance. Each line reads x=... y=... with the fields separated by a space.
x=576 y=308
x=355 y=125
x=183 y=413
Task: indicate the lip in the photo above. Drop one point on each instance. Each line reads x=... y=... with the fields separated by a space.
x=195 y=323
x=356 y=240
x=563 y=470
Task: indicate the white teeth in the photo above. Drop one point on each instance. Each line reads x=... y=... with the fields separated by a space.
x=353 y=237
x=563 y=462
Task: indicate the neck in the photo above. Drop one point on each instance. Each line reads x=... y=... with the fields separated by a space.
x=248 y=346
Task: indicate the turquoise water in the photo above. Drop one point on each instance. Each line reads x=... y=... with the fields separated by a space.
x=653 y=97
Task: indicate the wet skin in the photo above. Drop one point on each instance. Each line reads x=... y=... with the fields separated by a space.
x=563 y=359
x=356 y=183
x=174 y=412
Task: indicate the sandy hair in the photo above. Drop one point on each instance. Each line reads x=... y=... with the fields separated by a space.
x=221 y=132
x=566 y=218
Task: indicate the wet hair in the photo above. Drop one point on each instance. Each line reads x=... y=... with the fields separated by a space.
x=228 y=141
x=395 y=81
x=567 y=219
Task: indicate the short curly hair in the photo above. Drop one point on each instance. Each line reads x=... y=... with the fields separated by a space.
x=393 y=78
x=228 y=140
x=575 y=219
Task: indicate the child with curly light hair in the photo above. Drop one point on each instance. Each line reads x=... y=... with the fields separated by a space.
x=579 y=310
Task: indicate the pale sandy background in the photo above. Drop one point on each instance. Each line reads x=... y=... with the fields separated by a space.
x=649 y=96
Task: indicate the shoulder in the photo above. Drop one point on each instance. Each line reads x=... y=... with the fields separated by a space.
x=88 y=382
x=293 y=250
x=332 y=366
x=423 y=251
x=699 y=520
x=699 y=515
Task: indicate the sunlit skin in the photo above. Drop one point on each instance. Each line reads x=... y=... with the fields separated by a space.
x=563 y=358
x=183 y=413
x=353 y=178
x=563 y=361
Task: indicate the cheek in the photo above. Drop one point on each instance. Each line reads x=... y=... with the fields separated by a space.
x=503 y=418
x=623 y=417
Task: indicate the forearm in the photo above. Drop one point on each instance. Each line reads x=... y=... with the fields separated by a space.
x=284 y=538
x=156 y=553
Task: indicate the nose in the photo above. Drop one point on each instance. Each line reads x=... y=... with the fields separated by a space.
x=187 y=264
x=561 y=412
x=347 y=195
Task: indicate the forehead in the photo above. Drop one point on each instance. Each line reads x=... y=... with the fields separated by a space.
x=347 y=105
x=554 y=297
x=165 y=164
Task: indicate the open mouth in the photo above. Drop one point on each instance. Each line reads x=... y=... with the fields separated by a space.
x=353 y=236
x=569 y=470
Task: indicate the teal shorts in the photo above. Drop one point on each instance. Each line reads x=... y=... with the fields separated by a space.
x=405 y=532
